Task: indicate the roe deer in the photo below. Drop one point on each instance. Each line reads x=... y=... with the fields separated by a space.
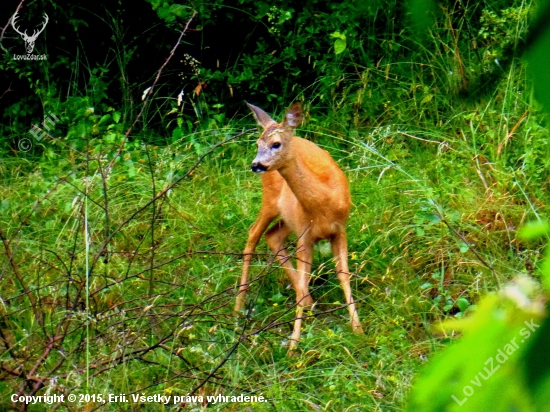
x=303 y=185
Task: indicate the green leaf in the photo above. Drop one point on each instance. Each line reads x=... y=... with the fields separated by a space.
x=462 y=304
x=534 y=230
x=339 y=46
x=492 y=334
x=116 y=117
x=109 y=138
x=130 y=167
x=426 y=99
x=277 y=298
x=104 y=118
x=177 y=133
x=427 y=217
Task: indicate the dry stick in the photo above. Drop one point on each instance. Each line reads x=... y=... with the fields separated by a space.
x=7 y=243
x=119 y=281
x=509 y=135
x=80 y=191
x=113 y=361
x=223 y=361
x=37 y=364
x=166 y=262
x=19 y=374
x=229 y=353
x=48 y=349
x=9 y=89
x=106 y=364
x=136 y=353
x=149 y=93
x=457 y=50
x=8 y=342
x=182 y=374
x=40 y=381
x=7 y=24
x=420 y=138
x=153 y=218
x=105 y=201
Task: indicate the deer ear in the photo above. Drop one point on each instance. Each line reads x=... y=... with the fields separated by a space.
x=261 y=117
x=293 y=116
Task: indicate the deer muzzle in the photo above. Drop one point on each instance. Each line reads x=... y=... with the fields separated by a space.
x=257 y=167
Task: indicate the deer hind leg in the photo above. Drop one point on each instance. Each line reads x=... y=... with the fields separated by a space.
x=256 y=231
x=275 y=238
x=340 y=250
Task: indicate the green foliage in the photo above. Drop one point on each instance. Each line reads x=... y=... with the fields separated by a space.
x=340 y=43
x=446 y=154
x=503 y=343
x=489 y=356
x=538 y=46
x=422 y=13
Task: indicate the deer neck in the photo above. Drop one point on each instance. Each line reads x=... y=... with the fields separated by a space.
x=302 y=180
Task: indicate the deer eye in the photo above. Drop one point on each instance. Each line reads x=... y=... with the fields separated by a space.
x=276 y=145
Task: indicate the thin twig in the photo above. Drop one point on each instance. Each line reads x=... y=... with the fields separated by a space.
x=7 y=24
x=163 y=192
x=474 y=251
x=148 y=94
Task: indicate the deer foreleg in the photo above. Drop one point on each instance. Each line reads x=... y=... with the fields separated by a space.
x=256 y=231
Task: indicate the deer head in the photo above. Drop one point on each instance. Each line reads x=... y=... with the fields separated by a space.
x=274 y=143
x=29 y=40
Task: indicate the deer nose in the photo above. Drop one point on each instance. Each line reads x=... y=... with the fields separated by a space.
x=258 y=167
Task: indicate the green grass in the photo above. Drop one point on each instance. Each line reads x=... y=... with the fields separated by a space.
x=440 y=184
x=410 y=268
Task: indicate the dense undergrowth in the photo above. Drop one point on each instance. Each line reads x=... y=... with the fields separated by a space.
x=441 y=177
